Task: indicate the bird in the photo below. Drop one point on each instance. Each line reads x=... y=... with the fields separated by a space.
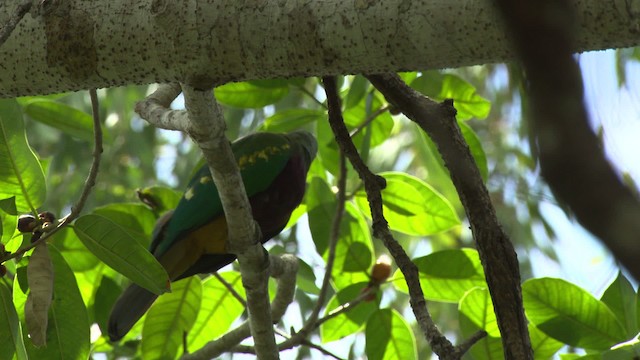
x=191 y=238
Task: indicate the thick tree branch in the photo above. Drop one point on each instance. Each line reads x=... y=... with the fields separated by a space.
x=496 y=251
x=7 y=28
x=77 y=44
x=572 y=162
x=207 y=130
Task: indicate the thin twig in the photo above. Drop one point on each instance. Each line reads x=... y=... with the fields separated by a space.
x=468 y=343
x=348 y=306
x=373 y=185
x=10 y=25
x=313 y=97
x=370 y=119
x=230 y=288
x=88 y=184
x=311 y=322
x=333 y=242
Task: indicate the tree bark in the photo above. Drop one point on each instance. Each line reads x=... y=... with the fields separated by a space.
x=65 y=45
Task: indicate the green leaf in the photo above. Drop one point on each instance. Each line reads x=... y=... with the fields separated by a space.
x=170 y=317
x=476 y=149
x=380 y=128
x=291 y=119
x=411 y=206
x=321 y=208
x=352 y=320
x=357 y=90
x=135 y=218
x=570 y=314
x=621 y=299
x=68 y=330
x=11 y=342
x=8 y=227
x=20 y=172
x=543 y=345
x=120 y=250
x=246 y=95
x=78 y=257
x=8 y=205
x=354 y=250
x=476 y=305
x=389 y=336
x=63 y=117
x=218 y=311
x=446 y=275
x=448 y=86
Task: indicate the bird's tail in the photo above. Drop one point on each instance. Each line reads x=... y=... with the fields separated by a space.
x=128 y=309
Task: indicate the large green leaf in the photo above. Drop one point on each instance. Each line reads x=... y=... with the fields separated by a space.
x=60 y=116
x=352 y=320
x=11 y=342
x=120 y=250
x=570 y=314
x=475 y=146
x=354 y=250
x=291 y=119
x=20 y=172
x=218 y=311
x=135 y=218
x=621 y=299
x=389 y=337
x=8 y=223
x=446 y=275
x=321 y=205
x=247 y=95
x=68 y=330
x=543 y=345
x=78 y=257
x=448 y=86
x=476 y=305
x=170 y=317
x=412 y=206
x=476 y=313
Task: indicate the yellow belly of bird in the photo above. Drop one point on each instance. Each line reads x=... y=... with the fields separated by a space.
x=208 y=239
